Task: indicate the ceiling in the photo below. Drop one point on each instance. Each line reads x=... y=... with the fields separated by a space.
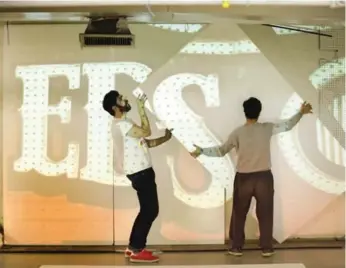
x=293 y=12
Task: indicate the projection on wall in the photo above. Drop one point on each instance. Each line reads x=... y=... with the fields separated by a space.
x=198 y=101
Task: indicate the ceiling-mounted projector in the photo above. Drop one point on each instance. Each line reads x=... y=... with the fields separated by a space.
x=107 y=32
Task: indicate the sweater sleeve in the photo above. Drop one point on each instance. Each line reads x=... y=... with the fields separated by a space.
x=285 y=125
x=225 y=148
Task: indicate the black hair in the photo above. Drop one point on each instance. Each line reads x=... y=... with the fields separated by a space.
x=109 y=101
x=252 y=108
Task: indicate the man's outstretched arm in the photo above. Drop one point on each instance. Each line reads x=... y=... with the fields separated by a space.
x=145 y=124
x=158 y=141
x=217 y=151
x=288 y=124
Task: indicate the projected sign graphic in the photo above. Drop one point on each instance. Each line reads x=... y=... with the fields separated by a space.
x=189 y=128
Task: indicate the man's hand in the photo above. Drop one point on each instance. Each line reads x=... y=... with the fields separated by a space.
x=168 y=134
x=306 y=108
x=197 y=152
x=141 y=101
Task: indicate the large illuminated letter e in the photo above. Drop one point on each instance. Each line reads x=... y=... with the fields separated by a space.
x=35 y=110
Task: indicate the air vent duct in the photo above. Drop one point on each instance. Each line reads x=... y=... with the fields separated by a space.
x=107 y=32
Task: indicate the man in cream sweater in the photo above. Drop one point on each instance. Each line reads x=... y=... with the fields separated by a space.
x=254 y=177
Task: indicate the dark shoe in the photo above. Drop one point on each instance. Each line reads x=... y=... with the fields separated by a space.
x=235 y=252
x=268 y=252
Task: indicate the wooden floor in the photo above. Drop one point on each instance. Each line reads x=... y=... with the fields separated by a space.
x=311 y=258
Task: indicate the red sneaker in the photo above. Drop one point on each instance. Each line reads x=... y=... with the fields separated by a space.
x=144 y=257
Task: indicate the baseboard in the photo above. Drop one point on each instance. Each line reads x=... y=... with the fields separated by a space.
x=302 y=243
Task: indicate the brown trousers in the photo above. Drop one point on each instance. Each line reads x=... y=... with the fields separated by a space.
x=259 y=185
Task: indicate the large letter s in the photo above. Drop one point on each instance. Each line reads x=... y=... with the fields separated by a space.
x=189 y=128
